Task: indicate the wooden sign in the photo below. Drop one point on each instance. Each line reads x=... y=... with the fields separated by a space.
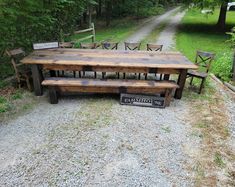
x=49 y=45
x=142 y=100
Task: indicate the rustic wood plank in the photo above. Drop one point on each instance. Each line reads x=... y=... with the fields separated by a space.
x=181 y=83
x=111 y=69
x=70 y=82
x=37 y=79
x=113 y=58
x=82 y=31
x=53 y=95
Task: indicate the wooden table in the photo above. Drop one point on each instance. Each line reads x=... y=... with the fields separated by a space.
x=108 y=61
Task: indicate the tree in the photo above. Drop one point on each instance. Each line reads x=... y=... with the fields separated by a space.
x=221 y=24
x=222 y=17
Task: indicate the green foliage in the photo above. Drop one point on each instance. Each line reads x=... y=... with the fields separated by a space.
x=200 y=33
x=222 y=66
x=232 y=35
x=25 y=22
x=4 y=105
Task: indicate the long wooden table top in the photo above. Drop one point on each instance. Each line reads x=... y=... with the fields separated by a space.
x=114 y=58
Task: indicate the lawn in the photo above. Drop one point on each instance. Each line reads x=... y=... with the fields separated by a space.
x=198 y=32
x=118 y=31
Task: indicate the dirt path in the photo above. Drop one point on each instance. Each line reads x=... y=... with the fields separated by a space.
x=166 y=37
x=95 y=141
x=148 y=27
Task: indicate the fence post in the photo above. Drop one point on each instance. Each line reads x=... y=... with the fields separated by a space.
x=233 y=69
x=93 y=32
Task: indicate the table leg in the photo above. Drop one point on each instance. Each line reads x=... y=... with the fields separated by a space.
x=181 y=83
x=37 y=79
x=166 y=77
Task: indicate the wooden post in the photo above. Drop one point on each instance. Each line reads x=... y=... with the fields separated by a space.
x=233 y=69
x=37 y=79
x=93 y=32
x=53 y=95
x=181 y=83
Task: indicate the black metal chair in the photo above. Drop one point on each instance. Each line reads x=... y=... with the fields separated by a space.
x=89 y=46
x=132 y=47
x=203 y=60
x=154 y=47
x=157 y=48
x=109 y=46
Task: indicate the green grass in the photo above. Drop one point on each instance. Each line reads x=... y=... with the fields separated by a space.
x=118 y=31
x=198 y=32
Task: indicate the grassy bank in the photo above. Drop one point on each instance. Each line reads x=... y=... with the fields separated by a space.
x=198 y=32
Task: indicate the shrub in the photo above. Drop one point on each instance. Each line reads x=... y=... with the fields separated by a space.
x=222 y=66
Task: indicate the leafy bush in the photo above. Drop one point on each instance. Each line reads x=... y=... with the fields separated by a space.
x=222 y=66
x=4 y=105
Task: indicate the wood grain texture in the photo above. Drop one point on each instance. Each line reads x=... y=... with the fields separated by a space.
x=78 y=57
x=108 y=83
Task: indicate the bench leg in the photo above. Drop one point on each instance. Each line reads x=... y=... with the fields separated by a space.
x=168 y=96
x=53 y=95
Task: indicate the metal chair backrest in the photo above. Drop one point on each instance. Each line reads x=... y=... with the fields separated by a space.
x=132 y=46
x=204 y=59
x=154 y=47
x=110 y=46
x=89 y=45
x=48 y=45
x=15 y=54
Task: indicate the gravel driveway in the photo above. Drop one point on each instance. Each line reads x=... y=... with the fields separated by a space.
x=90 y=141
x=93 y=141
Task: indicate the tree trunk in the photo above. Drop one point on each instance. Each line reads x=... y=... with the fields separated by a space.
x=221 y=24
x=108 y=11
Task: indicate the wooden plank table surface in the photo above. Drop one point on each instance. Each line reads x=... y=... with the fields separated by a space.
x=108 y=61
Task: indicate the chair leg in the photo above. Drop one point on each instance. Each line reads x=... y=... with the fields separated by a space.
x=53 y=95
x=28 y=84
x=95 y=74
x=103 y=75
x=139 y=76
x=145 y=76
x=191 y=81
x=79 y=74
x=118 y=75
x=202 y=85
x=160 y=77
x=124 y=75
x=84 y=73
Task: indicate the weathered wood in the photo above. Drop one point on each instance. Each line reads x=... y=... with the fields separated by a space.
x=37 y=79
x=233 y=69
x=91 y=29
x=110 y=61
x=85 y=38
x=109 y=86
x=181 y=83
x=203 y=60
x=53 y=95
x=82 y=31
x=111 y=58
x=99 y=68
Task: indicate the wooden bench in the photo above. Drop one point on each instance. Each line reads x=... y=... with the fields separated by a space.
x=73 y=85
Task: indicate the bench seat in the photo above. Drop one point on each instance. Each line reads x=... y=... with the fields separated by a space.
x=73 y=85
